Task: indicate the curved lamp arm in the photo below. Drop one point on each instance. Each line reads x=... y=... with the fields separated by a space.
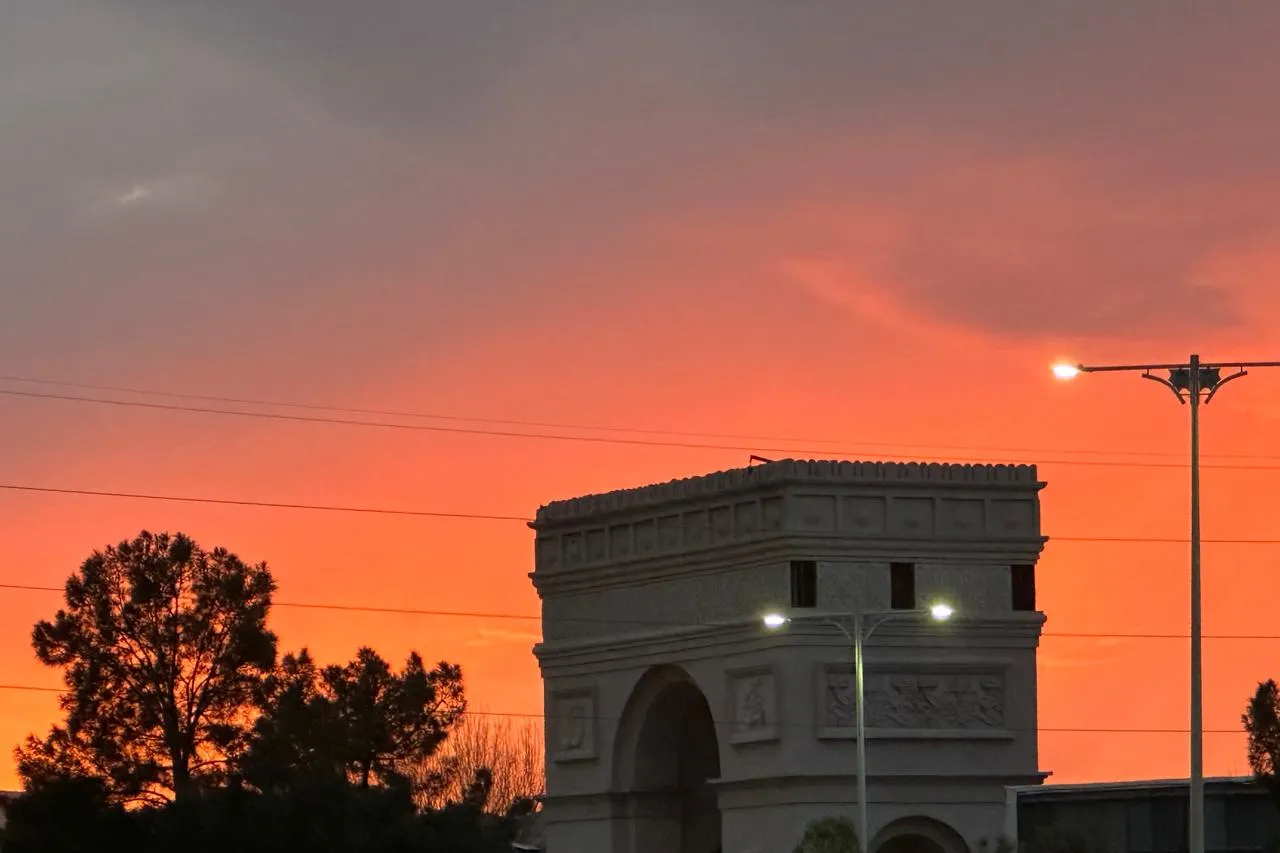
x=1218 y=387
x=1166 y=383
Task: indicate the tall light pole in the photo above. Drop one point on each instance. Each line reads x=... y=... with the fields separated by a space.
x=1193 y=382
x=857 y=626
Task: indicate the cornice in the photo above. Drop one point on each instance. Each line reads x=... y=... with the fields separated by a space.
x=1032 y=781
x=787 y=472
x=780 y=789
x=941 y=777
x=735 y=556
x=745 y=636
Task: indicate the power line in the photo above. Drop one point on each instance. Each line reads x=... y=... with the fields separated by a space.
x=656 y=623
x=634 y=442
x=395 y=413
x=783 y=724
x=1140 y=540
x=266 y=504
x=251 y=401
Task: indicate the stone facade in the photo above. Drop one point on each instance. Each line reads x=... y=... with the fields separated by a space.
x=676 y=722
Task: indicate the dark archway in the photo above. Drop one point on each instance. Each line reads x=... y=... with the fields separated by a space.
x=918 y=835
x=910 y=842
x=665 y=753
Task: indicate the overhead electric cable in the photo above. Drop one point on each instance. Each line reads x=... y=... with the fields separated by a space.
x=634 y=442
x=654 y=623
x=784 y=723
x=257 y=401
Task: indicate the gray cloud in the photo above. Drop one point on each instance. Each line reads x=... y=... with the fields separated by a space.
x=393 y=175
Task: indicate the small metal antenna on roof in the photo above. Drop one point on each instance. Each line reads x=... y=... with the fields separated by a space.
x=754 y=459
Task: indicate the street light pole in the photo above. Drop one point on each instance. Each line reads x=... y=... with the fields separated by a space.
x=859 y=705
x=1193 y=382
x=1195 y=816
x=857 y=633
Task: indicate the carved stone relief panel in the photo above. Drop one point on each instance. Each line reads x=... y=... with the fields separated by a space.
x=574 y=552
x=573 y=725
x=864 y=515
x=752 y=705
x=722 y=523
x=697 y=528
x=548 y=553
x=646 y=534
x=669 y=533
x=1013 y=517
x=771 y=513
x=746 y=519
x=947 y=700
x=620 y=541
x=911 y=517
x=816 y=513
x=962 y=516
x=597 y=546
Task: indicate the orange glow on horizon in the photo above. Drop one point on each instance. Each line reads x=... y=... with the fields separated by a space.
x=772 y=231
x=479 y=566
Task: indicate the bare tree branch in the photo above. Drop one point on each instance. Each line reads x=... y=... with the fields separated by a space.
x=510 y=748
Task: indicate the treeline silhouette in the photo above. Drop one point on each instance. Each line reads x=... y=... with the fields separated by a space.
x=76 y=815
x=184 y=730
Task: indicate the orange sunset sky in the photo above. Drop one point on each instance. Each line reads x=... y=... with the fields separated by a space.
x=864 y=230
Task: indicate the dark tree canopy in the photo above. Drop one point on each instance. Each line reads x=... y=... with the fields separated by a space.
x=161 y=644
x=360 y=722
x=829 y=835
x=315 y=816
x=67 y=814
x=183 y=733
x=1262 y=723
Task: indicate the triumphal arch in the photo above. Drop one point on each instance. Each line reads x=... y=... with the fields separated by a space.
x=676 y=722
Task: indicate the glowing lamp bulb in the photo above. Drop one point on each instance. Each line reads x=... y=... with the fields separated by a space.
x=1066 y=371
x=774 y=620
x=941 y=612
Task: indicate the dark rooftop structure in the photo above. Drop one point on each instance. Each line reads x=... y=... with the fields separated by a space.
x=1149 y=816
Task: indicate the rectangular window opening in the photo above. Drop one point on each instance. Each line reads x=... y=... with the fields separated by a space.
x=804 y=583
x=902 y=586
x=1023 y=580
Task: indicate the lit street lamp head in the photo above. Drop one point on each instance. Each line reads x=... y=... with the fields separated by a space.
x=1063 y=370
x=939 y=612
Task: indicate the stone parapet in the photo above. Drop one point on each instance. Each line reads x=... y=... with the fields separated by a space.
x=854 y=502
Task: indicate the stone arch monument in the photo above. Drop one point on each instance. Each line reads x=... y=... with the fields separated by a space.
x=675 y=723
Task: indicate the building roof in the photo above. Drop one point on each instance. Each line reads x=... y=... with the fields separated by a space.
x=785 y=472
x=1137 y=786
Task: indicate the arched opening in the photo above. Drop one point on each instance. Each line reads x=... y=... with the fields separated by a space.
x=666 y=752
x=911 y=842
x=918 y=835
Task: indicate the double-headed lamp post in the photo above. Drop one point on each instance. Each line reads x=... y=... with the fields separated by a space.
x=1193 y=382
x=857 y=626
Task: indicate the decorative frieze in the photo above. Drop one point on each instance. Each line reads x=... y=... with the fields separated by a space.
x=912 y=518
x=788 y=472
x=1014 y=517
x=752 y=710
x=864 y=515
x=572 y=726
x=942 y=700
x=962 y=516
x=850 y=517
